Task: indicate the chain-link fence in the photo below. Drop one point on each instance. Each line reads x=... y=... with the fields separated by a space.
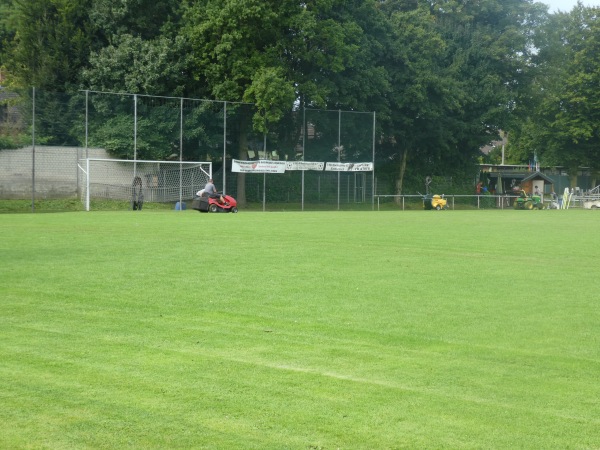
x=44 y=135
x=477 y=202
x=304 y=190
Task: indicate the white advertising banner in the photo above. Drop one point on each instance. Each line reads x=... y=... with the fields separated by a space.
x=304 y=165
x=260 y=166
x=349 y=167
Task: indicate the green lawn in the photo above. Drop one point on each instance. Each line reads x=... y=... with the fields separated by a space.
x=300 y=330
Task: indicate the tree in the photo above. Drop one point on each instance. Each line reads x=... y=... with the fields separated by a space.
x=231 y=41
x=444 y=76
x=272 y=96
x=145 y=19
x=419 y=90
x=459 y=86
x=135 y=65
x=150 y=68
x=334 y=55
x=573 y=100
x=8 y=26
x=579 y=114
x=51 y=44
x=322 y=49
x=560 y=121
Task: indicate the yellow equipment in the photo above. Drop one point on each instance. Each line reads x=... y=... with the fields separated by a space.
x=435 y=202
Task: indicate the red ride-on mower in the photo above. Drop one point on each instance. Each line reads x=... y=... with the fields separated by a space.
x=209 y=204
x=230 y=205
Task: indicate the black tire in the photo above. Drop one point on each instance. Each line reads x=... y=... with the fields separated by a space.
x=213 y=208
x=528 y=204
x=234 y=209
x=438 y=207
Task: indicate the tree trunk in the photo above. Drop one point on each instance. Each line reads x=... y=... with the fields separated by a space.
x=573 y=179
x=243 y=156
x=400 y=180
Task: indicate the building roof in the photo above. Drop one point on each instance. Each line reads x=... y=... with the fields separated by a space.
x=516 y=175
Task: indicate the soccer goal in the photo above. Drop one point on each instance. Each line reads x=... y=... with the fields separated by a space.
x=137 y=181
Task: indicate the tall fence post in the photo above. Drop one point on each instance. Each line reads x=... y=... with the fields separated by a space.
x=339 y=152
x=33 y=151
x=87 y=184
x=225 y=148
x=373 y=171
x=303 y=147
x=181 y=154
x=134 y=135
x=86 y=122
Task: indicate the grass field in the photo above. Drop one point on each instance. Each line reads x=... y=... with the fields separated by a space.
x=320 y=330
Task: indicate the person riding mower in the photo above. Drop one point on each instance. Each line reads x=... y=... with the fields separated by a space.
x=525 y=201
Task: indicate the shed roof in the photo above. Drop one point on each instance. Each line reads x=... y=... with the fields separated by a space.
x=522 y=176
x=538 y=176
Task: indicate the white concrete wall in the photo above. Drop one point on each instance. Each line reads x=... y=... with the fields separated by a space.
x=55 y=170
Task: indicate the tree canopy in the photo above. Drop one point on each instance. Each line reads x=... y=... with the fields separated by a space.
x=445 y=77
x=562 y=122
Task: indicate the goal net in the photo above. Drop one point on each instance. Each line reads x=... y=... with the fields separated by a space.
x=137 y=181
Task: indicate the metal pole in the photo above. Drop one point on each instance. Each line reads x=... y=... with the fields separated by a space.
x=373 y=171
x=33 y=151
x=303 y=148
x=87 y=184
x=86 y=122
x=134 y=135
x=264 y=174
x=339 y=155
x=181 y=155
x=224 y=148
x=264 y=191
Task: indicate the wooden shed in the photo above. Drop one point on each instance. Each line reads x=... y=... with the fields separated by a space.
x=536 y=183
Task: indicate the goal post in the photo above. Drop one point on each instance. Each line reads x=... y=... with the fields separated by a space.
x=139 y=181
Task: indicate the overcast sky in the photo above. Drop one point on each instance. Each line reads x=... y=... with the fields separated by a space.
x=567 y=5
